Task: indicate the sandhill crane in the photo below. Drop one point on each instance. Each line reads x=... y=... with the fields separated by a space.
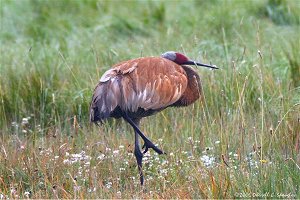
x=141 y=87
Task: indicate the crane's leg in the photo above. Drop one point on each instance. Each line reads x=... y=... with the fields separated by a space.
x=138 y=154
x=147 y=143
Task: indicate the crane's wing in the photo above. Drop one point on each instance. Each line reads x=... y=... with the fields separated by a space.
x=151 y=83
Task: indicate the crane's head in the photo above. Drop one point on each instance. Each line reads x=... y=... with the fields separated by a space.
x=181 y=59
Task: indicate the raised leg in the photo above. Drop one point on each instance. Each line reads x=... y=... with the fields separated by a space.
x=147 y=143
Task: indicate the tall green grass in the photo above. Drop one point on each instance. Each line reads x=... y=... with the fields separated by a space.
x=241 y=141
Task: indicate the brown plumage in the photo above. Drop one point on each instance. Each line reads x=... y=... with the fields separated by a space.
x=141 y=87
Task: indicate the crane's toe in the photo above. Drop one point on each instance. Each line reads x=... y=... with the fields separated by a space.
x=149 y=145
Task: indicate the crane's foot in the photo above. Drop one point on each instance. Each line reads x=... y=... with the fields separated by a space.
x=149 y=145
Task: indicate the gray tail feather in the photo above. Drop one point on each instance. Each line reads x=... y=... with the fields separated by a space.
x=104 y=101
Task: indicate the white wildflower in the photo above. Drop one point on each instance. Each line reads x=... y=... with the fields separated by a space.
x=73 y=158
x=67 y=161
x=116 y=152
x=122 y=169
x=108 y=185
x=184 y=152
x=130 y=154
x=25 y=121
x=92 y=190
x=160 y=177
x=207 y=160
x=15 y=124
x=119 y=194
x=26 y=194
x=101 y=157
x=77 y=188
x=165 y=162
x=13 y=190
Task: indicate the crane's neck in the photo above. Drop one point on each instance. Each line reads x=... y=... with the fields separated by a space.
x=193 y=91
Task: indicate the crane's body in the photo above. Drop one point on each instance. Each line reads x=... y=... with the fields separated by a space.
x=144 y=86
x=141 y=87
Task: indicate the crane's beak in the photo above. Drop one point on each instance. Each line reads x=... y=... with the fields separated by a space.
x=191 y=62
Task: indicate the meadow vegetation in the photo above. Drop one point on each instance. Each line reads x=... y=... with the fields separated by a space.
x=242 y=140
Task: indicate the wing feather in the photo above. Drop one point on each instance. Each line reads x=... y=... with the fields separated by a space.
x=153 y=84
